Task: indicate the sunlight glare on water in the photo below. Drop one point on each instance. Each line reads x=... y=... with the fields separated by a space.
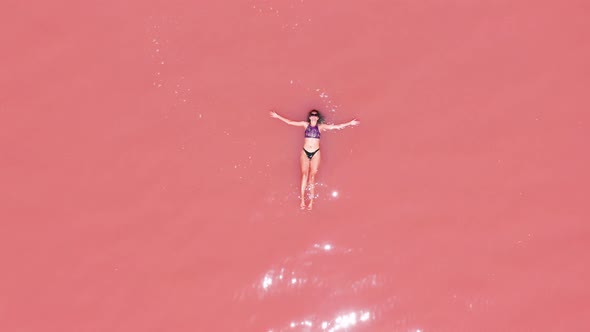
x=344 y=322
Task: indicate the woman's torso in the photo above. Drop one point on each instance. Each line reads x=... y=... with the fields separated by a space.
x=312 y=138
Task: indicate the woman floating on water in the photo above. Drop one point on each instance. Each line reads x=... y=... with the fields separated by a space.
x=310 y=156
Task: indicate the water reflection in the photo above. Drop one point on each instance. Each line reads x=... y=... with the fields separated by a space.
x=326 y=247
x=312 y=269
x=341 y=322
x=296 y=272
x=274 y=279
x=346 y=321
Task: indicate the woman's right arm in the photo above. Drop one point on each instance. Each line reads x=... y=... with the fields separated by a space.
x=274 y=114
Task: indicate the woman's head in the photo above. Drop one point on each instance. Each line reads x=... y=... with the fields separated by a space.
x=315 y=113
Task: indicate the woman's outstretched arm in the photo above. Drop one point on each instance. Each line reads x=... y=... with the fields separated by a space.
x=339 y=126
x=274 y=114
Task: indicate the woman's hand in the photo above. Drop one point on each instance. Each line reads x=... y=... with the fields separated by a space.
x=354 y=122
x=274 y=114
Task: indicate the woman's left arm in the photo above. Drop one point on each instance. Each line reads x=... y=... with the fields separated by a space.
x=339 y=126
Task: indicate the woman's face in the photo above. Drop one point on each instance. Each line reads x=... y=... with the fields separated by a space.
x=313 y=116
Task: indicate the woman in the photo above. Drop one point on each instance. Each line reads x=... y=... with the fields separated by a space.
x=310 y=156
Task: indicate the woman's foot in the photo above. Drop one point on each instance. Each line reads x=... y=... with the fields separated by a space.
x=310 y=206
x=302 y=205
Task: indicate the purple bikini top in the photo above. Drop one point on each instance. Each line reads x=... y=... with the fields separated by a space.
x=312 y=132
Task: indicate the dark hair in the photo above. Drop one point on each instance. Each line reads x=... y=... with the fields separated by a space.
x=320 y=116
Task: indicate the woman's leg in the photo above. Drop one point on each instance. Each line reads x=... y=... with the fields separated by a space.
x=313 y=170
x=304 y=175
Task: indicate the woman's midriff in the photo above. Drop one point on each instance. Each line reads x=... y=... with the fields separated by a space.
x=311 y=144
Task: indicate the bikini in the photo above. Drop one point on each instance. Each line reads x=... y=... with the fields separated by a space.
x=311 y=132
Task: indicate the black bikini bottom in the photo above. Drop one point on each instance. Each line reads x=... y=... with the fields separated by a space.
x=310 y=154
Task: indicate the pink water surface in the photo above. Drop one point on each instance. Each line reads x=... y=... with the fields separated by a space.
x=145 y=187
